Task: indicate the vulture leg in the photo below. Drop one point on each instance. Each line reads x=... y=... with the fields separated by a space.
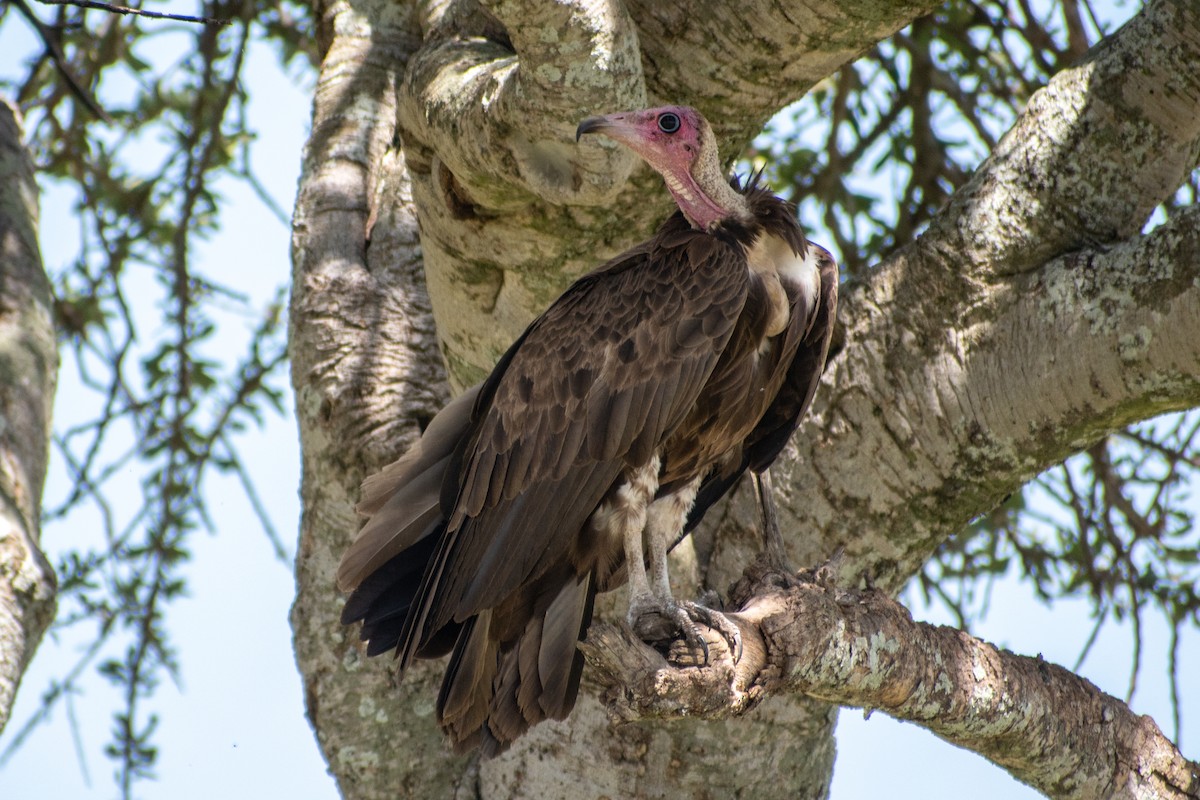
x=654 y=613
x=773 y=549
x=664 y=520
x=626 y=514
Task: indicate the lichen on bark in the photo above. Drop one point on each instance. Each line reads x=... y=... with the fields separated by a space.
x=917 y=428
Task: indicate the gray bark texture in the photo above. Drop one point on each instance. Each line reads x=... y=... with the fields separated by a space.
x=1047 y=726
x=28 y=369
x=441 y=183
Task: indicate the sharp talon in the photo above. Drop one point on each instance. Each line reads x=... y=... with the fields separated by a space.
x=695 y=640
x=721 y=624
x=667 y=623
x=672 y=624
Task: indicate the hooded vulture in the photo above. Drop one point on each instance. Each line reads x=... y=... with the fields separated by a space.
x=604 y=433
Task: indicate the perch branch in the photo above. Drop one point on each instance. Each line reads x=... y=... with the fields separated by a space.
x=1042 y=723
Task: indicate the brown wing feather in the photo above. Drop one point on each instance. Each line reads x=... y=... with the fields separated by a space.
x=402 y=498
x=610 y=374
x=649 y=326
x=803 y=374
x=811 y=334
x=648 y=319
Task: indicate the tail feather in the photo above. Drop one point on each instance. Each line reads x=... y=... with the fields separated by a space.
x=391 y=588
x=494 y=691
x=525 y=660
x=404 y=498
x=395 y=527
x=511 y=666
x=438 y=440
x=466 y=692
x=384 y=567
x=507 y=718
x=560 y=663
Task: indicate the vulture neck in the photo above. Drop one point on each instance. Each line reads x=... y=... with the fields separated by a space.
x=704 y=194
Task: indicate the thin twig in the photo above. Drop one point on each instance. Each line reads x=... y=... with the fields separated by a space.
x=1173 y=679
x=256 y=503
x=115 y=9
x=60 y=61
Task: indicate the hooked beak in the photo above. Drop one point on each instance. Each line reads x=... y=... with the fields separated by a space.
x=592 y=125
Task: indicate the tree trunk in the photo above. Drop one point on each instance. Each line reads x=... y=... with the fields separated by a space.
x=916 y=429
x=28 y=369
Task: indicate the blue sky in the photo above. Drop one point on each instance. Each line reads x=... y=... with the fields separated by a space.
x=234 y=726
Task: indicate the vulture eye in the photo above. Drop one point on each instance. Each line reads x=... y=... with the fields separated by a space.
x=668 y=122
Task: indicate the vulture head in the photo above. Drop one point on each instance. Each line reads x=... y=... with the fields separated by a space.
x=678 y=142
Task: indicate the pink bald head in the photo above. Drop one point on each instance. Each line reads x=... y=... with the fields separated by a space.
x=678 y=143
x=668 y=138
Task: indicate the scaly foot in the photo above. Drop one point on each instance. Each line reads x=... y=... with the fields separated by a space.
x=661 y=622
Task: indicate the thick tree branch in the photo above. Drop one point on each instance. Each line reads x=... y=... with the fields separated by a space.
x=28 y=371
x=366 y=372
x=1047 y=726
x=1084 y=347
x=1094 y=153
x=740 y=63
x=974 y=361
x=498 y=97
x=497 y=89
